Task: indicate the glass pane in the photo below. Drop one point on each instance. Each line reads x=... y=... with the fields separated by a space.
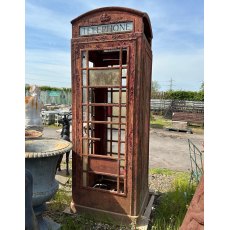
x=108 y=133
x=122 y=135
x=91 y=113
x=115 y=135
x=84 y=95
x=115 y=97
x=109 y=149
x=123 y=97
x=124 y=72
x=84 y=80
x=109 y=100
x=123 y=113
x=123 y=81
x=122 y=148
x=115 y=148
x=84 y=115
x=115 y=119
x=104 y=77
x=116 y=111
x=91 y=96
x=83 y=59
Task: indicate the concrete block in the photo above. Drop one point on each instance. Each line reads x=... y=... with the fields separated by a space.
x=181 y=125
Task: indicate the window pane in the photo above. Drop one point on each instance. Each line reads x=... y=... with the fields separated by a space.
x=83 y=59
x=84 y=95
x=104 y=77
x=84 y=80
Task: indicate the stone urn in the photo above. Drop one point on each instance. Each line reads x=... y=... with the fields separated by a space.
x=33 y=106
x=41 y=157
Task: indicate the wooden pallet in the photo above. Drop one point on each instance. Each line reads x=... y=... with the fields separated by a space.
x=179 y=130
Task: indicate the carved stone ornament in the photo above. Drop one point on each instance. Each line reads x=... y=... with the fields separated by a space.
x=105 y=17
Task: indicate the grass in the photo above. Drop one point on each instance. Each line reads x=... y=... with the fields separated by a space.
x=159 y=121
x=172 y=207
x=162 y=171
x=168 y=214
x=197 y=129
x=60 y=201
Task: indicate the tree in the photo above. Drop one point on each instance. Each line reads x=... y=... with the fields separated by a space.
x=202 y=87
x=155 y=88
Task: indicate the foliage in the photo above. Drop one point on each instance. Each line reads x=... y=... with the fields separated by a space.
x=49 y=88
x=159 y=121
x=27 y=87
x=61 y=200
x=202 y=87
x=168 y=215
x=162 y=171
x=185 y=95
x=173 y=205
x=155 y=87
x=82 y=222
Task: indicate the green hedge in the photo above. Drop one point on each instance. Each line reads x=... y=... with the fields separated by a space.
x=174 y=95
x=185 y=95
x=49 y=88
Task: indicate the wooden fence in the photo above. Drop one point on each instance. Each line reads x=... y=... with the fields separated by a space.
x=164 y=106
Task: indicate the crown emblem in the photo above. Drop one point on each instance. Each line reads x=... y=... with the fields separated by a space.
x=105 y=17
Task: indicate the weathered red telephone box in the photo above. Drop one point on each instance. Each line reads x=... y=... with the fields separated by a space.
x=111 y=84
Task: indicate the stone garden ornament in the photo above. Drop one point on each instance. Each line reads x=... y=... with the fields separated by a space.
x=33 y=106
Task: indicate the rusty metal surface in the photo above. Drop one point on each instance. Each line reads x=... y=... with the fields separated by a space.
x=107 y=166
x=124 y=168
x=194 y=218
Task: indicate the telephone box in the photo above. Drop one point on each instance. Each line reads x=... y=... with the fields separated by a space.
x=111 y=84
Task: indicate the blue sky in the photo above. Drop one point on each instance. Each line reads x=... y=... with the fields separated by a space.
x=178 y=40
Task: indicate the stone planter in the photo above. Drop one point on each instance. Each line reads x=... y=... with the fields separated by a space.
x=32 y=134
x=41 y=156
x=33 y=120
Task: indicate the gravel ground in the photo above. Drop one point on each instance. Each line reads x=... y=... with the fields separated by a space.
x=160 y=183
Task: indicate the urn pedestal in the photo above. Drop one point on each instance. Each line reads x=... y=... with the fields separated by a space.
x=41 y=157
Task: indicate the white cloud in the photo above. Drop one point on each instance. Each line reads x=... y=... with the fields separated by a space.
x=176 y=41
x=48 y=67
x=186 y=69
x=47 y=20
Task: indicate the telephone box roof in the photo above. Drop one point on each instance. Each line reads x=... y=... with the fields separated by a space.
x=144 y=15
